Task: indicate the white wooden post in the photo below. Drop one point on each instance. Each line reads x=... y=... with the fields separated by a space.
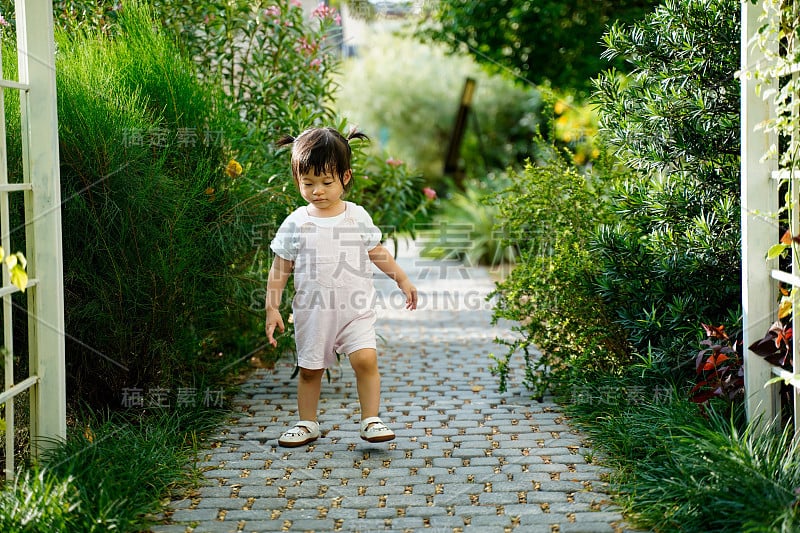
x=794 y=226
x=759 y=231
x=43 y=222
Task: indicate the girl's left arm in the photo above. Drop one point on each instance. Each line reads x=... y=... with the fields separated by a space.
x=386 y=263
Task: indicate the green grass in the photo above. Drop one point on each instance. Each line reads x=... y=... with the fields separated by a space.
x=37 y=501
x=717 y=478
x=110 y=474
x=682 y=469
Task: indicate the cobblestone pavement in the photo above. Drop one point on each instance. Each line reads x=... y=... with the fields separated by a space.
x=465 y=455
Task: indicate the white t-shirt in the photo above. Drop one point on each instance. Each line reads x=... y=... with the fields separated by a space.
x=286 y=242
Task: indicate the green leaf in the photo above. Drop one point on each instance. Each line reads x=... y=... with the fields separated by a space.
x=773 y=381
x=19 y=277
x=775 y=250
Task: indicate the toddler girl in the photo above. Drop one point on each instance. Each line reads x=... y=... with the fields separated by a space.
x=330 y=245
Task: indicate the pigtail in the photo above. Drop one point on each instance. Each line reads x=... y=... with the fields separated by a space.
x=285 y=140
x=355 y=134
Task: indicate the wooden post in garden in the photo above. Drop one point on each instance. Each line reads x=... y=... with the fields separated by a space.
x=43 y=223
x=40 y=188
x=759 y=230
x=452 y=165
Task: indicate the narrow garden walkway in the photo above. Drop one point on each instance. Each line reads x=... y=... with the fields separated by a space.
x=465 y=456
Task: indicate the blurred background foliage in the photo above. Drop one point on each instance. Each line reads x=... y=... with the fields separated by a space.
x=408 y=93
x=550 y=42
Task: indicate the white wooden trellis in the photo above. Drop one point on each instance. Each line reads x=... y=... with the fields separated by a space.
x=761 y=177
x=40 y=187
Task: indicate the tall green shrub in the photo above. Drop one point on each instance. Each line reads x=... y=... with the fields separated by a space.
x=152 y=221
x=672 y=258
x=273 y=61
x=549 y=212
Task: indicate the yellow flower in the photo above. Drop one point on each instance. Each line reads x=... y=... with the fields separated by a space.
x=234 y=169
x=785 y=307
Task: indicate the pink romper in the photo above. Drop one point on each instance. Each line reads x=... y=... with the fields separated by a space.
x=334 y=293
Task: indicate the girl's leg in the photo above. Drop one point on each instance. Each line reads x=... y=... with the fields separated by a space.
x=308 y=389
x=307 y=429
x=368 y=381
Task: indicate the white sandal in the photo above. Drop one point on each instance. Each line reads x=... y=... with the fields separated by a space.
x=374 y=430
x=302 y=433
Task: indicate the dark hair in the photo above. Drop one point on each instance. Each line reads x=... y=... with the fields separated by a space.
x=321 y=150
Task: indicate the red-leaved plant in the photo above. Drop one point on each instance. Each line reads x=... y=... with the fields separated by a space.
x=719 y=367
x=776 y=346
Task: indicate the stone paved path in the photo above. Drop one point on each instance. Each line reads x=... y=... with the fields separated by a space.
x=465 y=456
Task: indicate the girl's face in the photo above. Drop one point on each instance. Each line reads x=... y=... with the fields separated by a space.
x=324 y=191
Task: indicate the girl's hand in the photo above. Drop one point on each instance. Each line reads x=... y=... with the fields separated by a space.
x=410 y=291
x=274 y=320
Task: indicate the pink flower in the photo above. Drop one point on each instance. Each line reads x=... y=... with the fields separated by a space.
x=338 y=19
x=297 y=3
x=322 y=11
x=392 y=162
x=315 y=63
x=3 y=21
x=306 y=47
x=430 y=193
x=272 y=11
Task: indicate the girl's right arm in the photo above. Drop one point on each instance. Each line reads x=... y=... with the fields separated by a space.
x=278 y=276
